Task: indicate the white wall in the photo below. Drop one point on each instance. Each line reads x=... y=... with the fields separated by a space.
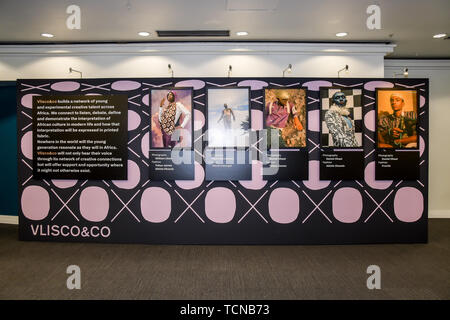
x=438 y=71
x=192 y=60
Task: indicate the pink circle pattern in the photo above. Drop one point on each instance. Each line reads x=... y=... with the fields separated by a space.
x=26 y=145
x=369 y=120
x=134 y=120
x=408 y=204
x=279 y=211
x=64 y=183
x=253 y=84
x=145 y=100
x=316 y=84
x=125 y=85
x=27 y=100
x=199 y=120
x=94 y=204
x=422 y=101
x=65 y=86
x=196 y=84
x=347 y=205
x=35 y=203
x=145 y=144
x=421 y=145
x=372 y=85
x=156 y=204
x=220 y=205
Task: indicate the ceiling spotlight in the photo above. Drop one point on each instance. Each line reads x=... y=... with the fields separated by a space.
x=341 y=34
x=144 y=33
x=440 y=35
x=343 y=69
x=47 y=35
x=288 y=69
x=242 y=33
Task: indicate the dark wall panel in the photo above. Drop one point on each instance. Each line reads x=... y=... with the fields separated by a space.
x=222 y=212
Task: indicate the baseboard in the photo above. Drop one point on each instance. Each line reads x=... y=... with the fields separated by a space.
x=9 y=219
x=439 y=214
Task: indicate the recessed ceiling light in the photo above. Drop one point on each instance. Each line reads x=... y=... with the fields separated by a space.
x=333 y=50
x=242 y=33
x=440 y=35
x=144 y=33
x=47 y=35
x=58 y=51
x=341 y=34
x=240 y=49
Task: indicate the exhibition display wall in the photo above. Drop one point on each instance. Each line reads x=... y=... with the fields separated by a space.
x=291 y=175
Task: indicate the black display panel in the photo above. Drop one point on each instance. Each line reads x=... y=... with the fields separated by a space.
x=199 y=211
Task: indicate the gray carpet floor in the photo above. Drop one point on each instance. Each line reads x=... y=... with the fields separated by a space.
x=37 y=270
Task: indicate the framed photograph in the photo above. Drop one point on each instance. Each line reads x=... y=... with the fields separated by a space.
x=396 y=118
x=285 y=117
x=228 y=117
x=171 y=118
x=341 y=120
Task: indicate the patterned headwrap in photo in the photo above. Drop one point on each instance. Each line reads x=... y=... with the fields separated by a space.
x=171 y=92
x=398 y=95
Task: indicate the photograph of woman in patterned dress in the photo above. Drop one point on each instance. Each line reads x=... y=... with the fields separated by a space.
x=171 y=119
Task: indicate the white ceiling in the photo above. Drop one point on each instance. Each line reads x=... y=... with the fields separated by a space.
x=410 y=24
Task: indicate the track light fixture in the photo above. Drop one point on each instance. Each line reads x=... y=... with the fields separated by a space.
x=343 y=69
x=405 y=73
x=288 y=69
x=73 y=70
